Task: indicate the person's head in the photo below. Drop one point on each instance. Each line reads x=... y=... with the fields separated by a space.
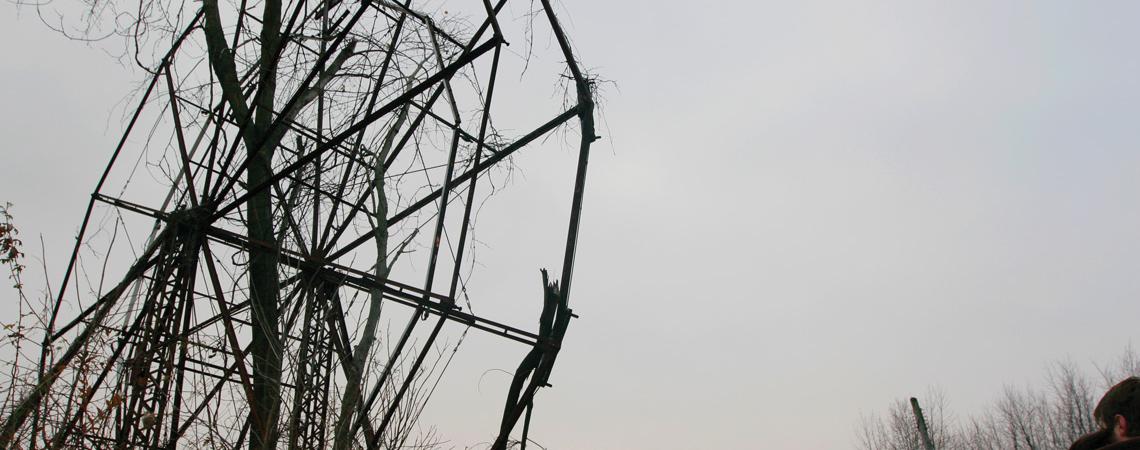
x=1093 y=441
x=1119 y=410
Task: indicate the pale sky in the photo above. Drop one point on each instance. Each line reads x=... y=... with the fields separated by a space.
x=801 y=210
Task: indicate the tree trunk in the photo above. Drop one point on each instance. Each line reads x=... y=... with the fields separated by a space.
x=265 y=347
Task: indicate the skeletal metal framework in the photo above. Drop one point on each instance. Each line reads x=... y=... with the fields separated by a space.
x=313 y=158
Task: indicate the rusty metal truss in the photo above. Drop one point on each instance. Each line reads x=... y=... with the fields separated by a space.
x=369 y=94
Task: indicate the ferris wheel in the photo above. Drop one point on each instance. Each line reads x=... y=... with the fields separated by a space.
x=296 y=174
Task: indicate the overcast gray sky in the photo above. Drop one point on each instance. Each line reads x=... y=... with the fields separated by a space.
x=801 y=211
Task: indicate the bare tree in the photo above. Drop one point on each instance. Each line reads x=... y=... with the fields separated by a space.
x=290 y=135
x=1022 y=418
x=897 y=430
x=1071 y=403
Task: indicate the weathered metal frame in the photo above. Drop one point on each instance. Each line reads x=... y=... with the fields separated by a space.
x=168 y=271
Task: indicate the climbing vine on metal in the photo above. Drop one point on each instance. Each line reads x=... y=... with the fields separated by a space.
x=299 y=150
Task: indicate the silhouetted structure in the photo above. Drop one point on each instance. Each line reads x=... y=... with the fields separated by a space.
x=293 y=138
